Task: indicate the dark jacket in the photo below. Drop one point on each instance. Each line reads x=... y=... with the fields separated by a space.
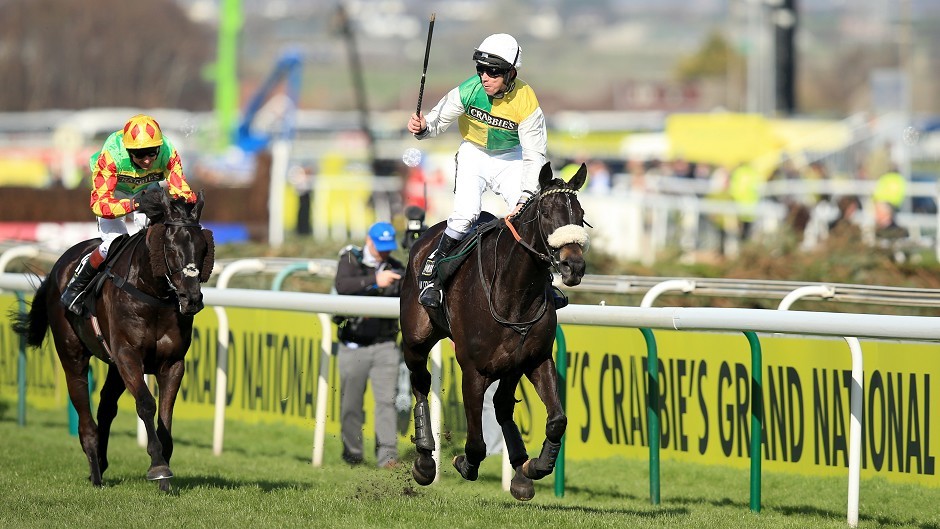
x=353 y=278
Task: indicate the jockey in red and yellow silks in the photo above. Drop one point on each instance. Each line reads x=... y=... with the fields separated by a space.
x=135 y=159
x=116 y=178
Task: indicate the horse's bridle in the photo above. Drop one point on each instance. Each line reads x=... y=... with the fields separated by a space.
x=188 y=270
x=551 y=254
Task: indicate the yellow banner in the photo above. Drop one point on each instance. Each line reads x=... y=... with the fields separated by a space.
x=706 y=396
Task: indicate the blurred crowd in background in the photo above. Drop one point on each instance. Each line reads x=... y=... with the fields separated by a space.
x=702 y=126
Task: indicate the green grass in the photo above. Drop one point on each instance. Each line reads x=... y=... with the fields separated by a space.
x=264 y=479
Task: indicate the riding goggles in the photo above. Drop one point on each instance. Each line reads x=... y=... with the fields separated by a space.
x=491 y=71
x=149 y=152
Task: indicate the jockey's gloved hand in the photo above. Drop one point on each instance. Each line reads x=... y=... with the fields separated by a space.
x=519 y=205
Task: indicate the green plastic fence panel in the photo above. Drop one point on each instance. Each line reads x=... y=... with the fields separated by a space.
x=652 y=410
x=757 y=417
x=561 y=365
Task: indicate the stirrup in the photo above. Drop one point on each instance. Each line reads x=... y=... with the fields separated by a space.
x=559 y=299
x=431 y=296
x=76 y=304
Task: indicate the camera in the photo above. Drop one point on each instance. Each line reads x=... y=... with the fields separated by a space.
x=414 y=226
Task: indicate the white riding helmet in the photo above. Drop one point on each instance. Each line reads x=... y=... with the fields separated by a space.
x=499 y=51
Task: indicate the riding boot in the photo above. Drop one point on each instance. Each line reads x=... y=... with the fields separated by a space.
x=86 y=271
x=431 y=293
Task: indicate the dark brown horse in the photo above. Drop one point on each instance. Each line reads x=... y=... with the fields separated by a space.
x=500 y=314
x=141 y=323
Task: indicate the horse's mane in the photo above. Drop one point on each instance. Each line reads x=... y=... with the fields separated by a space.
x=209 y=262
x=155 y=241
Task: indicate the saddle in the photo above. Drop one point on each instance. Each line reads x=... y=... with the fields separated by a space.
x=448 y=266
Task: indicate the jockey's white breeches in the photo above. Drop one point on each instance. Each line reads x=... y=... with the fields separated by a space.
x=477 y=171
x=110 y=229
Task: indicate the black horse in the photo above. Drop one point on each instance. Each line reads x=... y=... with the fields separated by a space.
x=498 y=309
x=140 y=323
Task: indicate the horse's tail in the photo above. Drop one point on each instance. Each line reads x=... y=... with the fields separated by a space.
x=33 y=325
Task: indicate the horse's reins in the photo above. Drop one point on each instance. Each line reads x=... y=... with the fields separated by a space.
x=548 y=257
x=522 y=327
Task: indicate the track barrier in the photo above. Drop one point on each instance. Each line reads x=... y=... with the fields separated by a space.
x=723 y=320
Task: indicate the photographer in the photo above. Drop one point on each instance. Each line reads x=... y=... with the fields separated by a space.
x=367 y=349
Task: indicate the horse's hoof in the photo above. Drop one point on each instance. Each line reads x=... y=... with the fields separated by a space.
x=420 y=478
x=159 y=472
x=530 y=470
x=521 y=487
x=469 y=473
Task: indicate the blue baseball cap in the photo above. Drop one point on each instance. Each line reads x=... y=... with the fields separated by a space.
x=383 y=236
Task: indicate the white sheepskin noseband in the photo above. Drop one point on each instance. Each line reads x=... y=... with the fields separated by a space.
x=567 y=234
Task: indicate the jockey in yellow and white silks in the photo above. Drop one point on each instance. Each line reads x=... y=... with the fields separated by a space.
x=135 y=159
x=504 y=146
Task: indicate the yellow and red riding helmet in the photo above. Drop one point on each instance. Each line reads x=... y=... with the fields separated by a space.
x=142 y=131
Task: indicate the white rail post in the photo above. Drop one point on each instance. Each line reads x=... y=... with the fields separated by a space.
x=326 y=348
x=823 y=291
x=685 y=285
x=221 y=370
x=855 y=433
x=6 y=257
x=435 y=397
x=319 y=429
x=855 y=398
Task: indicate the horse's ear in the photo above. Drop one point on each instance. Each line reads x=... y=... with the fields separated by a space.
x=197 y=209
x=545 y=177
x=208 y=263
x=577 y=181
